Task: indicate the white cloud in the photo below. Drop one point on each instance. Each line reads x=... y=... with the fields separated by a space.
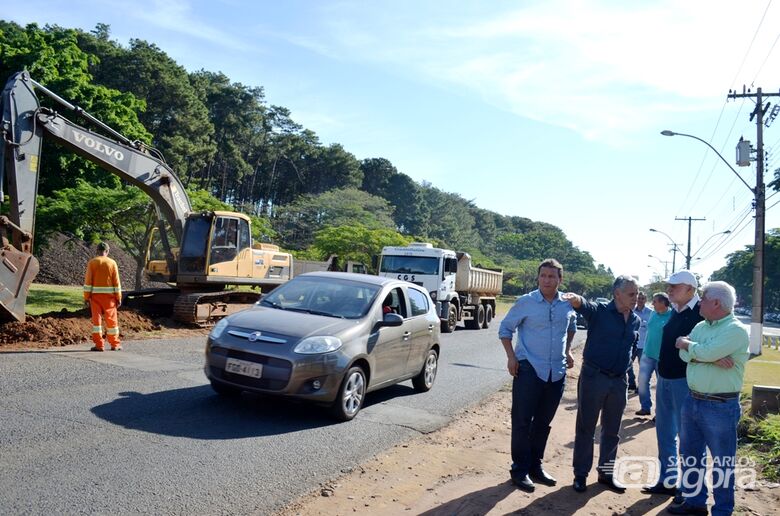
x=600 y=68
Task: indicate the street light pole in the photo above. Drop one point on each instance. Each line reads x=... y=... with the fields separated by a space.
x=757 y=317
x=727 y=232
x=665 y=264
x=675 y=247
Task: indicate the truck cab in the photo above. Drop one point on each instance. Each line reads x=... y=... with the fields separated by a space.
x=460 y=291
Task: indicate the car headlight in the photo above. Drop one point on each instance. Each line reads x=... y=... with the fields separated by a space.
x=314 y=345
x=219 y=328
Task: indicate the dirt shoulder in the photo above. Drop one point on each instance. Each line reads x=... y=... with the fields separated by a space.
x=463 y=469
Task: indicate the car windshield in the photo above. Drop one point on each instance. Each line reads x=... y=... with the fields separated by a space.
x=332 y=297
x=410 y=264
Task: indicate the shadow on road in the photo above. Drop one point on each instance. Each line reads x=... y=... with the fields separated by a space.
x=199 y=413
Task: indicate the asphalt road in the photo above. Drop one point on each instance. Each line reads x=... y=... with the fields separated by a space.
x=141 y=431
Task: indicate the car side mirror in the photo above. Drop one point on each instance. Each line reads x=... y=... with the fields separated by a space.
x=392 y=320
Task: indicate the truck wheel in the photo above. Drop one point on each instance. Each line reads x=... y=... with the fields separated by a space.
x=448 y=326
x=478 y=318
x=488 y=316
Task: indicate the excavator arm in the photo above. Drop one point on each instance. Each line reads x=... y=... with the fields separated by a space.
x=24 y=124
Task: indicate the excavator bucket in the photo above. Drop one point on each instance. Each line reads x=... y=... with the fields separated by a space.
x=17 y=271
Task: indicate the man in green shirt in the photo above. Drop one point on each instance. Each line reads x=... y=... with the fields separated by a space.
x=716 y=352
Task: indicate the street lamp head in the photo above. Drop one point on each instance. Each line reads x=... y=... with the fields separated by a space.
x=654 y=230
x=727 y=232
x=667 y=132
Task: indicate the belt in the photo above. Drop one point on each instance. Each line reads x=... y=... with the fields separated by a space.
x=719 y=396
x=605 y=372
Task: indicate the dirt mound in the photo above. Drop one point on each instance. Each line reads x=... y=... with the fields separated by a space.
x=64 y=328
x=63 y=261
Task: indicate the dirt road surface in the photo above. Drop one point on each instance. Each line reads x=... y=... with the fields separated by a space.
x=463 y=469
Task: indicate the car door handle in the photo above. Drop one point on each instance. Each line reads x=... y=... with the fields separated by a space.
x=407 y=335
x=430 y=327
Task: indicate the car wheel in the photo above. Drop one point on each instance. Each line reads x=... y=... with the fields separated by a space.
x=488 y=316
x=448 y=326
x=225 y=390
x=351 y=395
x=427 y=375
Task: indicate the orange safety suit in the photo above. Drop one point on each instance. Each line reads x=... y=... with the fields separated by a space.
x=103 y=291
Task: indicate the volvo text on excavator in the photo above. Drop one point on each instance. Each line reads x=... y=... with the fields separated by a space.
x=214 y=249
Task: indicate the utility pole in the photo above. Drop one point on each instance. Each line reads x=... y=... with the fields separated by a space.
x=688 y=255
x=757 y=318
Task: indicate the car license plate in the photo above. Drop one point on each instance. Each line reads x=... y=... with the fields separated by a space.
x=244 y=367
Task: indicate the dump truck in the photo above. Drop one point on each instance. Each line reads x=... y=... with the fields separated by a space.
x=214 y=249
x=461 y=291
x=332 y=264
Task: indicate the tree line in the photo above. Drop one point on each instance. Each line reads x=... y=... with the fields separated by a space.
x=233 y=149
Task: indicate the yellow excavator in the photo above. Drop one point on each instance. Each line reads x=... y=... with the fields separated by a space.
x=214 y=249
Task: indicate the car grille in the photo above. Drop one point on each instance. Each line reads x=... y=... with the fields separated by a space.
x=276 y=372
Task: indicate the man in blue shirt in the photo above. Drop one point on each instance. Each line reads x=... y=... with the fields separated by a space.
x=643 y=312
x=545 y=326
x=613 y=329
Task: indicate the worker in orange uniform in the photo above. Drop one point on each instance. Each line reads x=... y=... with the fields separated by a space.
x=103 y=293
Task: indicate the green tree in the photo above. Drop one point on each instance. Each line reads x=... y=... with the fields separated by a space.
x=738 y=271
x=355 y=242
x=174 y=113
x=298 y=221
x=335 y=168
x=54 y=59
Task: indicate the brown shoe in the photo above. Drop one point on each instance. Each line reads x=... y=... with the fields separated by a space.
x=95 y=348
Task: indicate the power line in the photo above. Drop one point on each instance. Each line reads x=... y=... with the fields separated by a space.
x=750 y=46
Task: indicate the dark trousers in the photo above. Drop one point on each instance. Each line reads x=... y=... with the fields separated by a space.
x=636 y=354
x=598 y=394
x=534 y=402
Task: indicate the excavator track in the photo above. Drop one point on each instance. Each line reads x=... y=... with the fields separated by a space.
x=206 y=308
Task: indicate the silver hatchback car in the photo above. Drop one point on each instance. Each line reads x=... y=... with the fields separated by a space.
x=330 y=338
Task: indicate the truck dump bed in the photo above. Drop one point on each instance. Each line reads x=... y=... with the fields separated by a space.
x=484 y=282
x=304 y=266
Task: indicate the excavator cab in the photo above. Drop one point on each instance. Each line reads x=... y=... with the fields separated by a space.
x=217 y=249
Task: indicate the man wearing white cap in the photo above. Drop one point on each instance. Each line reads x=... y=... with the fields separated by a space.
x=672 y=387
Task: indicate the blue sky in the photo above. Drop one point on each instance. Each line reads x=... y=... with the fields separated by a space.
x=550 y=110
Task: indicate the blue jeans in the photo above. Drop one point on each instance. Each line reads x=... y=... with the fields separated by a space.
x=710 y=424
x=670 y=394
x=647 y=367
x=534 y=403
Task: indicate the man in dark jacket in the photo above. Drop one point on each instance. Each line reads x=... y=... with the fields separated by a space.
x=672 y=386
x=613 y=329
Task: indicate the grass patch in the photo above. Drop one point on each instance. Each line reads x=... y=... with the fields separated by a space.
x=760 y=442
x=504 y=303
x=53 y=298
x=759 y=371
x=759 y=438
